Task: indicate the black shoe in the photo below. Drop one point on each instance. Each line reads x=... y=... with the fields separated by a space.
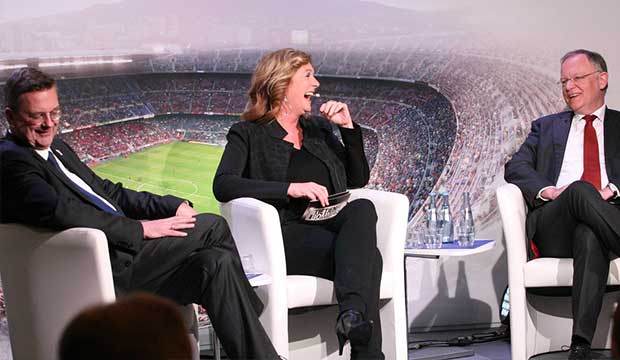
x=352 y=326
x=579 y=352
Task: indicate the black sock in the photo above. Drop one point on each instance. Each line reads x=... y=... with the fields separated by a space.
x=578 y=340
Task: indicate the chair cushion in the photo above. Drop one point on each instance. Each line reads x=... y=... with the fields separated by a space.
x=544 y=272
x=306 y=290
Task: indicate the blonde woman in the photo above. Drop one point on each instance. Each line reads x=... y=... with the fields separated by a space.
x=283 y=156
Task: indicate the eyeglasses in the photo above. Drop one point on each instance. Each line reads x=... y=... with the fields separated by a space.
x=38 y=118
x=576 y=79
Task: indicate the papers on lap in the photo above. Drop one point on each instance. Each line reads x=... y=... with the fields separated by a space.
x=316 y=212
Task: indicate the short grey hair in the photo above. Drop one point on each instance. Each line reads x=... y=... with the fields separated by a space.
x=595 y=58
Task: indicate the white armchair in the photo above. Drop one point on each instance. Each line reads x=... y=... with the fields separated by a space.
x=255 y=226
x=48 y=277
x=541 y=323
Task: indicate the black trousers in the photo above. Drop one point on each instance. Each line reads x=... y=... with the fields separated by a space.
x=581 y=225
x=342 y=249
x=205 y=268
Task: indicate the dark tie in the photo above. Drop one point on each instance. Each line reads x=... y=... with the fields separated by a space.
x=93 y=199
x=591 y=164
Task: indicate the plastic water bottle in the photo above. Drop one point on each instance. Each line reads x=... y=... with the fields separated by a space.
x=445 y=220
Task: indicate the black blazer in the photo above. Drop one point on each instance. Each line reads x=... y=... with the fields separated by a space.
x=256 y=158
x=538 y=161
x=34 y=192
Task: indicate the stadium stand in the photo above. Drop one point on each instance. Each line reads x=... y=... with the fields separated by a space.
x=443 y=131
x=110 y=116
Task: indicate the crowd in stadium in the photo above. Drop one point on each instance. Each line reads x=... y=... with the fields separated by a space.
x=211 y=130
x=109 y=141
x=484 y=94
x=2 y=304
x=409 y=127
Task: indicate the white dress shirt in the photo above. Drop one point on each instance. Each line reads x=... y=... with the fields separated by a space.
x=572 y=164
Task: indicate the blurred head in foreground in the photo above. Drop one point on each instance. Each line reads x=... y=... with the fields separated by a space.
x=140 y=326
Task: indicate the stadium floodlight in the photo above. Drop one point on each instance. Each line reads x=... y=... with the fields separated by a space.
x=12 y=67
x=84 y=62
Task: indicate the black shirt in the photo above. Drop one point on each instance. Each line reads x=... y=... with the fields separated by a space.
x=305 y=167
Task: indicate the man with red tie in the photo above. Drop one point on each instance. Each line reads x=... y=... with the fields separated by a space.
x=568 y=169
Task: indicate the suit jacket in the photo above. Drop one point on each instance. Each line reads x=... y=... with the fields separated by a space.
x=256 y=159
x=34 y=192
x=538 y=161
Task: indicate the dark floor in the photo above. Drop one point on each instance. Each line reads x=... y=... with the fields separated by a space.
x=493 y=350
x=494 y=347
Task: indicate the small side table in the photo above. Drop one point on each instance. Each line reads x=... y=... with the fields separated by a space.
x=257 y=280
x=451 y=249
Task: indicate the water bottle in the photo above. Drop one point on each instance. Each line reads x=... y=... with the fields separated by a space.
x=467 y=231
x=432 y=236
x=445 y=220
x=431 y=211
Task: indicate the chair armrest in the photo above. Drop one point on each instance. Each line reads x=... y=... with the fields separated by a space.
x=392 y=217
x=49 y=251
x=512 y=209
x=255 y=225
x=48 y=277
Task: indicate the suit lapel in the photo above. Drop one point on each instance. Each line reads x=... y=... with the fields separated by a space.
x=69 y=164
x=561 y=128
x=67 y=161
x=56 y=172
x=611 y=131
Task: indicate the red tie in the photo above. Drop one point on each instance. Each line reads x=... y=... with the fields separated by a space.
x=591 y=165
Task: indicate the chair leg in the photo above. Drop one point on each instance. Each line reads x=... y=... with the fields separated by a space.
x=275 y=317
x=215 y=342
x=394 y=329
x=518 y=324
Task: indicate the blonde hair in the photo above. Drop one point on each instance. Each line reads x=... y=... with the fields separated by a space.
x=269 y=82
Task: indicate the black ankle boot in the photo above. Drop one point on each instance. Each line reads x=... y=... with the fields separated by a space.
x=352 y=326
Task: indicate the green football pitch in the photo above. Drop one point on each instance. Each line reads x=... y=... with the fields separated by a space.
x=179 y=168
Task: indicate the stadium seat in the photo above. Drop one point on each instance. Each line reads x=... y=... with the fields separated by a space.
x=539 y=323
x=49 y=277
x=297 y=330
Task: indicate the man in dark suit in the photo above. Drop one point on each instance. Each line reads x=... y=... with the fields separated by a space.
x=157 y=243
x=568 y=169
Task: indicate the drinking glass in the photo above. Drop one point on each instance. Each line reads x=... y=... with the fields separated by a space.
x=464 y=234
x=416 y=240
x=247 y=261
x=432 y=236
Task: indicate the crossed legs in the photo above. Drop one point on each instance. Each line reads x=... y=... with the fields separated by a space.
x=581 y=225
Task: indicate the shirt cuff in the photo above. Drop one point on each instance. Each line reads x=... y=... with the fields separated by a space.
x=539 y=195
x=356 y=128
x=613 y=189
